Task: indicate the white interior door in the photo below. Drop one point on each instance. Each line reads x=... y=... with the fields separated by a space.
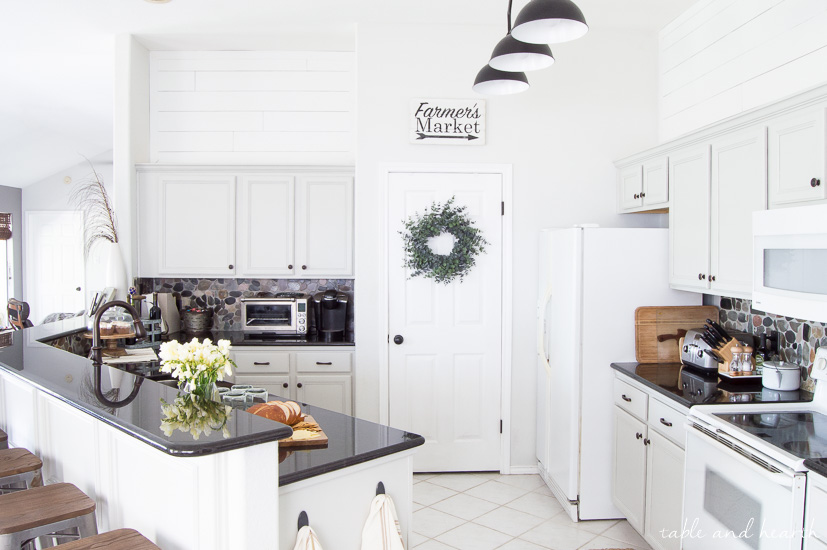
x=445 y=376
x=54 y=273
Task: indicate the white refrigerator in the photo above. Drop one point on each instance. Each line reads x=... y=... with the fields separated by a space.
x=591 y=281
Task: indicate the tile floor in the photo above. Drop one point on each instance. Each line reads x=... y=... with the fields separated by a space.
x=484 y=511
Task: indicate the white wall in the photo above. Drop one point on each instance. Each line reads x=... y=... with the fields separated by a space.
x=596 y=104
x=724 y=57
x=53 y=194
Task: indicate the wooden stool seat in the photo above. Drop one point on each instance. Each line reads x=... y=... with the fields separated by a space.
x=121 y=539
x=40 y=506
x=17 y=461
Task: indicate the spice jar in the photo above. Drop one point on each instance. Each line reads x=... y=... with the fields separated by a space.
x=735 y=364
x=746 y=359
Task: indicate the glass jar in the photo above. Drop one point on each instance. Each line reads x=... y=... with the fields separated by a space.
x=735 y=364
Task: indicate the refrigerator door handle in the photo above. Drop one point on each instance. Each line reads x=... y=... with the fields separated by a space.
x=541 y=329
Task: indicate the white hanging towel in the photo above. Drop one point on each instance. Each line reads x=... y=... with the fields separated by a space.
x=382 y=530
x=307 y=540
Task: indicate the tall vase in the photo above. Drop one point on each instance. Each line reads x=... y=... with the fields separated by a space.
x=114 y=270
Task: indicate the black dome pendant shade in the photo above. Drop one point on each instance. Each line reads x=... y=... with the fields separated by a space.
x=491 y=81
x=512 y=55
x=549 y=22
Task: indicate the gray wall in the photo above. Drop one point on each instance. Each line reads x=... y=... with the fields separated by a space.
x=11 y=200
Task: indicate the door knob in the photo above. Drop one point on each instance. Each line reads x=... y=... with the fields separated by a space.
x=290 y=266
x=230 y=266
x=304 y=267
x=78 y=289
x=398 y=339
x=815 y=182
x=284 y=385
x=299 y=385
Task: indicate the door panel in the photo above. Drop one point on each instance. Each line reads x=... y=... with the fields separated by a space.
x=689 y=219
x=324 y=226
x=265 y=226
x=444 y=379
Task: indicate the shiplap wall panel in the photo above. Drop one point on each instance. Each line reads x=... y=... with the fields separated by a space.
x=252 y=107
x=723 y=57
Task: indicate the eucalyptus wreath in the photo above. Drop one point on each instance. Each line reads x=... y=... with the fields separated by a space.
x=439 y=219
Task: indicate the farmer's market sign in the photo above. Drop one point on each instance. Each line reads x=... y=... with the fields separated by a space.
x=448 y=121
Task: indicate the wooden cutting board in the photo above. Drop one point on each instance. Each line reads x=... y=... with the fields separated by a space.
x=319 y=441
x=657 y=330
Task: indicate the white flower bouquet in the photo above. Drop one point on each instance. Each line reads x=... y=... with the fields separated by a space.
x=199 y=364
x=194 y=414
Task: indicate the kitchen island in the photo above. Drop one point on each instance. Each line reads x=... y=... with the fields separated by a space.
x=225 y=489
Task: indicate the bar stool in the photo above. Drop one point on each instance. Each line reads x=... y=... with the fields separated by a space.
x=120 y=539
x=19 y=467
x=4 y=440
x=45 y=511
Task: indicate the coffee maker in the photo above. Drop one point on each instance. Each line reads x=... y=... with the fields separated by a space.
x=331 y=315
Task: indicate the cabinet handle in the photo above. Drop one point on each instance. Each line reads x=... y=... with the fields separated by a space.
x=324 y=362
x=284 y=385
x=638 y=435
x=646 y=441
x=665 y=423
x=642 y=195
x=637 y=196
x=299 y=385
x=290 y=266
x=230 y=266
x=815 y=182
x=304 y=267
x=712 y=278
x=626 y=399
x=701 y=276
x=261 y=363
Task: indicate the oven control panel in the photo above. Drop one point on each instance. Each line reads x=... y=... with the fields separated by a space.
x=819 y=371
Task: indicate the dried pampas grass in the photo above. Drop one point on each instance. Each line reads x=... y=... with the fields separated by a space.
x=99 y=221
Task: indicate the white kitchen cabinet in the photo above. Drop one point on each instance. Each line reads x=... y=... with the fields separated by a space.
x=188 y=224
x=738 y=188
x=324 y=226
x=648 y=462
x=689 y=219
x=796 y=159
x=629 y=476
x=265 y=230
x=815 y=507
x=320 y=377
x=644 y=187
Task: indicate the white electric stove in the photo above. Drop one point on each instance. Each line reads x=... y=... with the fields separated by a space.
x=745 y=476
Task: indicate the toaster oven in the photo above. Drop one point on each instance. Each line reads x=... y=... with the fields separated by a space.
x=286 y=313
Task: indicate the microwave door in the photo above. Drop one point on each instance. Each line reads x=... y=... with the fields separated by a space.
x=269 y=317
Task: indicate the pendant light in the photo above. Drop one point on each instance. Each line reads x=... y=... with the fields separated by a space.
x=513 y=55
x=491 y=81
x=549 y=22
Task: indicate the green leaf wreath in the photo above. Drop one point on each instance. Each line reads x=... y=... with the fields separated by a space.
x=442 y=218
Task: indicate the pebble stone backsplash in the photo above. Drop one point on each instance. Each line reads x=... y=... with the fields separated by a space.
x=222 y=295
x=797 y=339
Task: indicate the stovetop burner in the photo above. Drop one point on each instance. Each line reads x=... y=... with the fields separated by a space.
x=803 y=434
x=807 y=449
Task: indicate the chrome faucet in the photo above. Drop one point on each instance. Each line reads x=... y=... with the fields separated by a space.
x=97 y=349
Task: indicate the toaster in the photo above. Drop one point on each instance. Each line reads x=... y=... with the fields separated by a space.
x=696 y=353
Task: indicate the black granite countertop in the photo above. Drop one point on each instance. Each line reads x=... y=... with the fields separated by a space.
x=70 y=378
x=689 y=386
x=818 y=465
x=241 y=338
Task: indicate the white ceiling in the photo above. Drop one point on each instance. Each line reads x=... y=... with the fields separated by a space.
x=57 y=60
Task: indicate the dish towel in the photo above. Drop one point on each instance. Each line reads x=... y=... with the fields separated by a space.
x=382 y=530
x=307 y=540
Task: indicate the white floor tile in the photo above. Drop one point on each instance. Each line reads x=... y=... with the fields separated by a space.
x=593 y=526
x=422 y=477
x=489 y=475
x=520 y=544
x=508 y=521
x=496 y=492
x=543 y=490
x=470 y=536
x=557 y=536
x=431 y=544
x=537 y=504
x=601 y=543
x=529 y=482
x=457 y=482
x=464 y=506
x=430 y=522
x=427 y=493
x=417 y=506
x=626 y=533
x=415 y=539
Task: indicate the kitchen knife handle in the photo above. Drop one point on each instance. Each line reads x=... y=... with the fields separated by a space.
x=627 y=399
x=665 y=423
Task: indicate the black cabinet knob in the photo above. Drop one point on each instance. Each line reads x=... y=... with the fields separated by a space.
x=637 y=196
x=627 y=399
x=299 y=385
x=665 y=422
x=642 y=195
x=646 y=441
x=712 y=277
x=290 y=266
x=284 y=385
x=304 y=267
x=638 y=435
x=701 y=276
x=398 y=339
x=815 y=182
x=78 y=289
x=230 y=266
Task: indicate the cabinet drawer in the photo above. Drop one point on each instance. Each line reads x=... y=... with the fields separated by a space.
x=667 y=421
x=251 y=361
x=323 y=361
x=631 y=399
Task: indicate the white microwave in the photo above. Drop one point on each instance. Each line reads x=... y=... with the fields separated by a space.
x=790 y=262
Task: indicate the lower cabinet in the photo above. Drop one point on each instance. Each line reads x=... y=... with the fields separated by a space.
x=317 y=377
x=648 y=466
x=815 y=507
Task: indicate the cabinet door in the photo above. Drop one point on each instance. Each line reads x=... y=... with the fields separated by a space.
x=629 y=469
x=197 y=224
x=324 y=226
x=276 y=385
x=331 y=392
x=664 y=492
x=738 y=189
x=631 y=185
x=689 y=219
x=656 y=182
x=265 y=226
x=796 y=158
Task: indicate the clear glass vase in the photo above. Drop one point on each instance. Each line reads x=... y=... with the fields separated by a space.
x=204 y=388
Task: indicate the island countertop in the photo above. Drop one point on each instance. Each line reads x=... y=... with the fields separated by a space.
x=70 y=378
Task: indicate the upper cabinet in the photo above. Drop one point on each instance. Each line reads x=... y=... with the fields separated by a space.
x=644 y=187
x=796 y=161
x=689 y=219
x=252 y=224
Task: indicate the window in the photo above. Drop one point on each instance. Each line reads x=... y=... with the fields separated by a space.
x=6 y=267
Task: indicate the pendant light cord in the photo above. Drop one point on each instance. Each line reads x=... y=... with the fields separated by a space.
x=509 y=16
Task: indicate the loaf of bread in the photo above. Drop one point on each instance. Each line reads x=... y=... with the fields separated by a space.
x=285 y=412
